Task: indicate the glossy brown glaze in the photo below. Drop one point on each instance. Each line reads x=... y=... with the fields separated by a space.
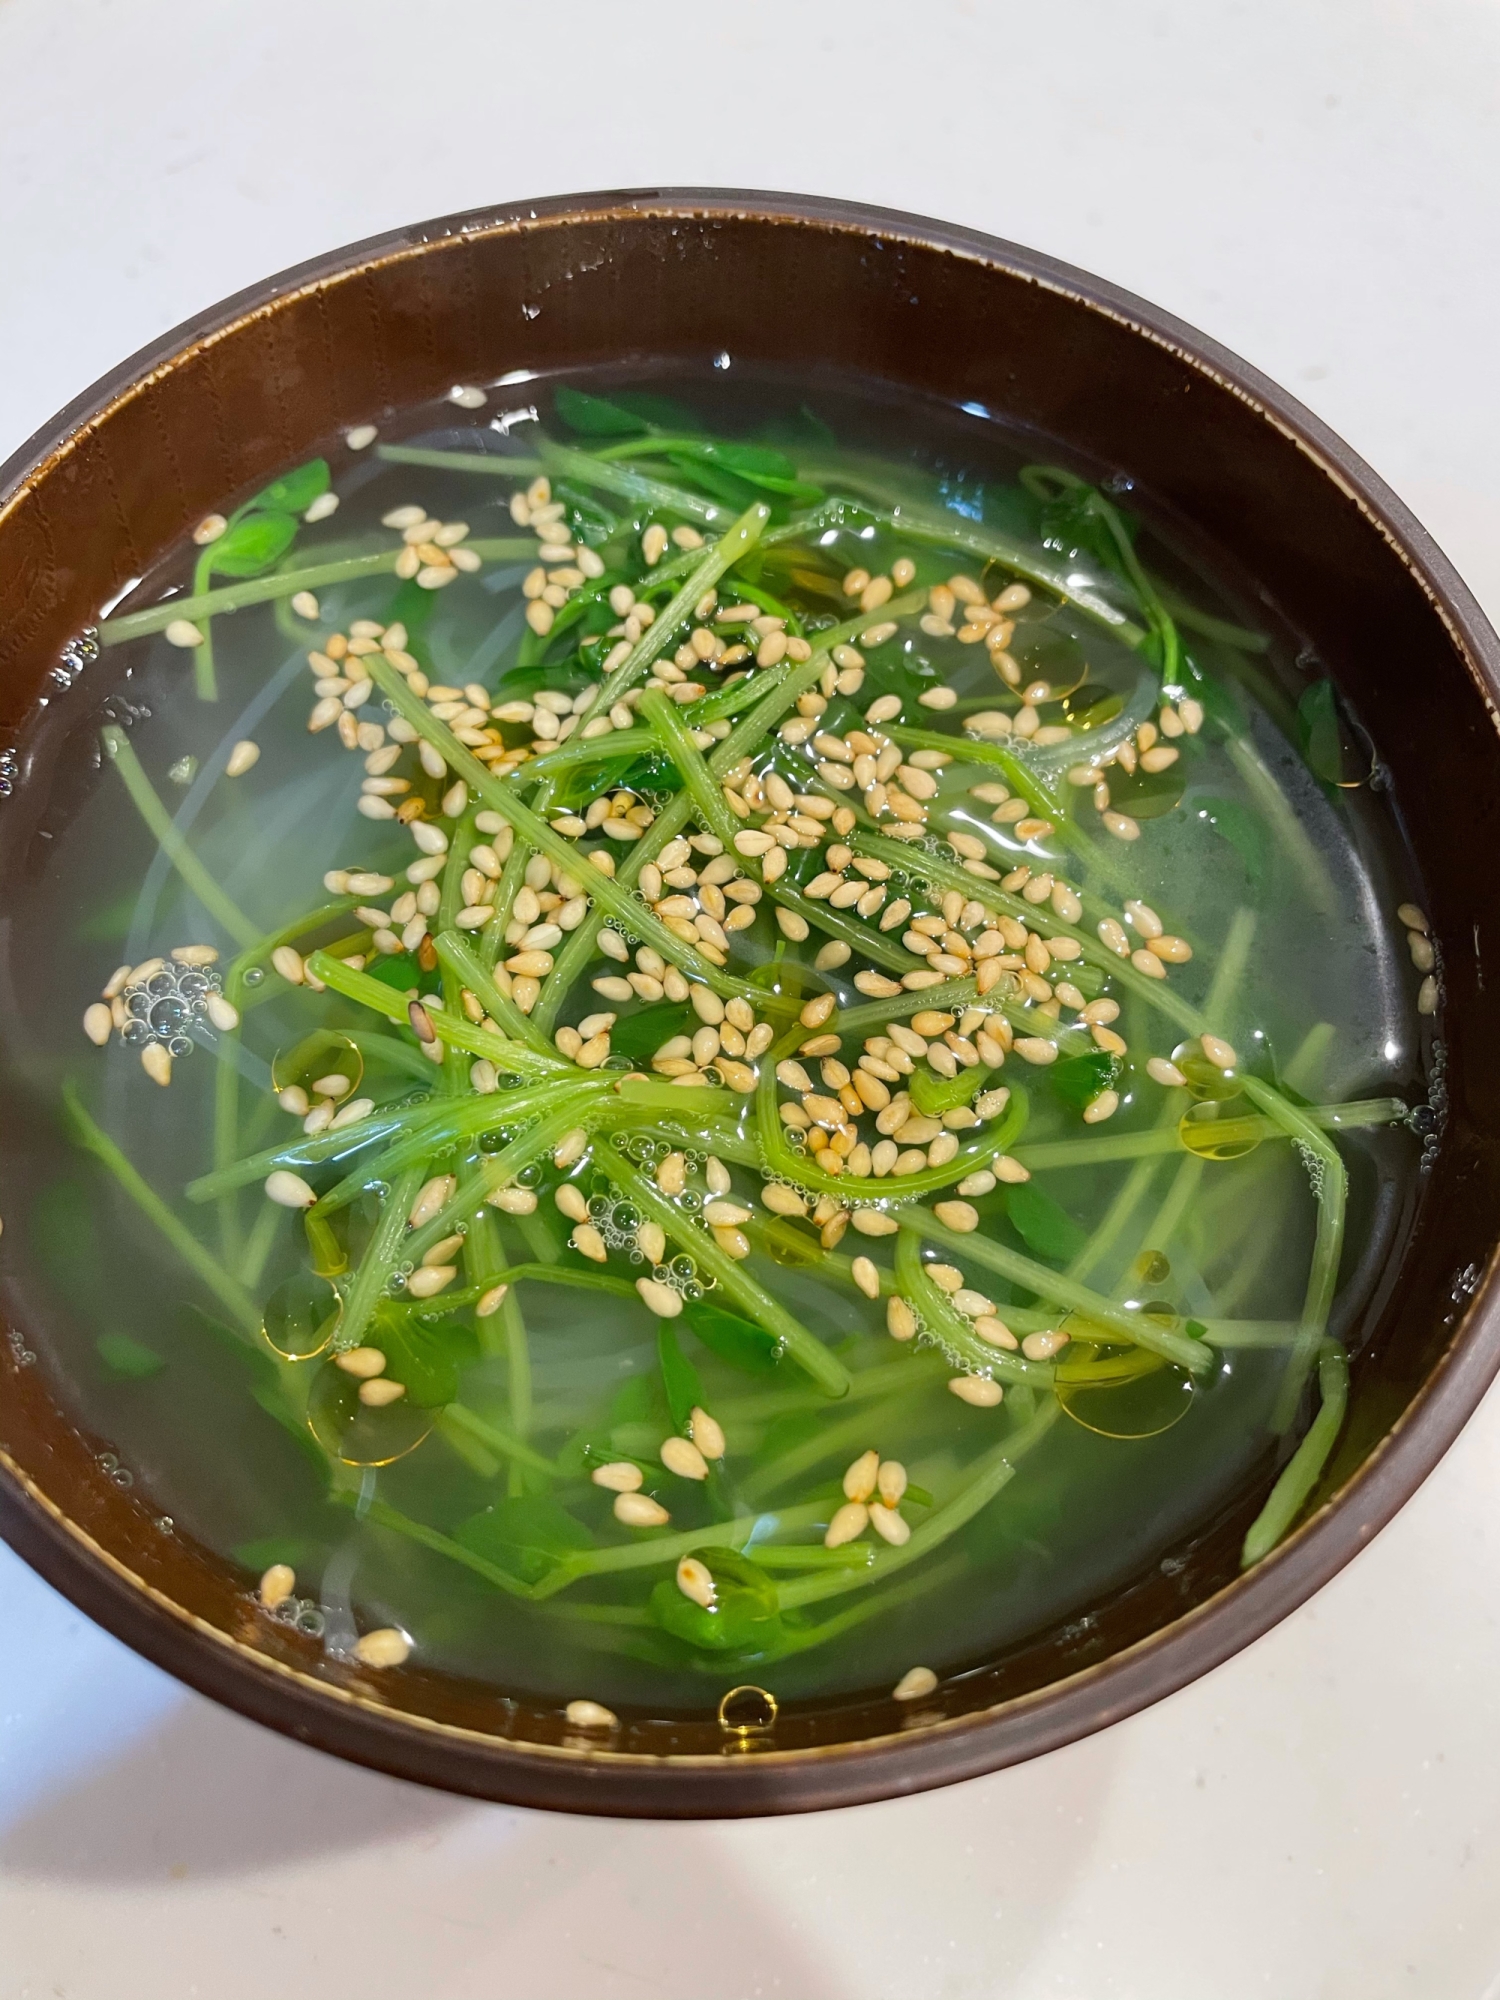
x=219 y=406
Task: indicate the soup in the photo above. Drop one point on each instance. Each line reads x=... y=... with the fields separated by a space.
x=733 y=1032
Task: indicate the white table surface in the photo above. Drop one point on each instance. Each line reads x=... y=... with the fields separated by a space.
x=1317 y=184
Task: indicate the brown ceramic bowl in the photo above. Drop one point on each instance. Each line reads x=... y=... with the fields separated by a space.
x=221 y=404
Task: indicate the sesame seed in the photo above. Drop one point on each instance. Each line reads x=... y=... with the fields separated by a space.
x=1427 y=996
x=707 y=1434
x=1218 y=1052
x=385 y=1647
x=378 y=1395
x=209 y=529
x=914 y=1684
x=241 y=757
x=157 y=1064
x=619 y=1476
x=889 y=1525
x=183 y=632
x=978 y=1390
x=695 y=1581
x=277 y=1585
x=98 y=1022
x=639 y=1510
x=658 y=1298
x=360 y=436
x=849 y=1521
x=590 y=1715
x=682 y=1456
x=1167 y=1073
x=1412 y=918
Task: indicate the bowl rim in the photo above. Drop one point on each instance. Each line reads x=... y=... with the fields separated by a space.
x=945 y=1750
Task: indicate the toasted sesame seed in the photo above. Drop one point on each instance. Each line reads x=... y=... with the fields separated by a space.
x=619 y=1476
x=889 y=1525
x=707 y=1434
x=276 y=1585
x=695 y=1581
x=1166 y=1073
x=682 y=1456
x=859 y=1479
x=849 y=1521
x=658 y=1298
x=914 y=1684
x=590 y=1715
x=491 y=1301
x=978 y=1390
x=385 y=1647
x=156 y=1062
x=364 y=1363
x=430 y=1279
x=900 y=1320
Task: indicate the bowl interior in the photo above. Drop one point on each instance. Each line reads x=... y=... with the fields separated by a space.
x=227 y=403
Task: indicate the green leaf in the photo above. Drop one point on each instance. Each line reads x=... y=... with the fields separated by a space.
x=758 y=466
x=1246 y=834
x=293 y=1550
x=528 y=1537
x=593 y=416
x=1078 y=1080
x=129 y=1358
x=642 y=1034
x=426 y=1355
x=740 y=1342
x=744 y=1617
x=1331 y=741
x=933 y=1094
x=252 y=545
x=294 y=492
x=634 y=1401
x=1147 y=794
x=1044 y=1226
x=714 y=480
x=683 y=1384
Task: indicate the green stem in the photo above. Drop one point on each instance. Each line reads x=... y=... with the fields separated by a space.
x=230 y=1294
x=793 y=1338
x=1039 y=917
x=638 y=487
x=204 y=678
x=227 y=915
x=651 y=1550
x=991 y=1473
x=382 y=1254
x=1331 y=1187
x=506 y=1444
x=1160 y=1140
x=1136 y=1328
x=383 y=1515
x=952 y=1332
x=281 y=583
x=1301 y=1473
